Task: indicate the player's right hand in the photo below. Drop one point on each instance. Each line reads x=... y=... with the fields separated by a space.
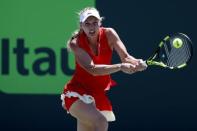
x=128 y=68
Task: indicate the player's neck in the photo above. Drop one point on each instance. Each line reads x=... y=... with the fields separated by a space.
x=93 y=40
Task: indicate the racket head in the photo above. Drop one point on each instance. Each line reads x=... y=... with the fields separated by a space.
x=174 y=52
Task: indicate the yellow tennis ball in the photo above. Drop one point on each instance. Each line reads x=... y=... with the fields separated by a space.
x=177 y=42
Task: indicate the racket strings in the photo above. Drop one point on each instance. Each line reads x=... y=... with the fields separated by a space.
x=185 y=53
x=177 y=56
x=167 y=50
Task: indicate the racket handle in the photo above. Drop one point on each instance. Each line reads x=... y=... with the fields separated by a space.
x=144 y=63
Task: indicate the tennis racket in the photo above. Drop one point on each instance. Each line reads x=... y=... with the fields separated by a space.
x=174 y=52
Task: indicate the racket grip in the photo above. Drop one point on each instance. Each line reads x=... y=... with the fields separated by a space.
x=144 y=63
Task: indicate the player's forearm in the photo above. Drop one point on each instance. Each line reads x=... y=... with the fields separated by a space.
x=128 y=58
x=99 y=69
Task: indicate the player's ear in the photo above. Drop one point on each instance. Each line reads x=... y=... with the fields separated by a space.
x=100 y=23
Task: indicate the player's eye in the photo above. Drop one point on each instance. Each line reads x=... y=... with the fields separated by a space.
x=87 y=24
x=95 y=23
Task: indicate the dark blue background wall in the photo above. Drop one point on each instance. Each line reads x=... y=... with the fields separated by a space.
x=156 y=99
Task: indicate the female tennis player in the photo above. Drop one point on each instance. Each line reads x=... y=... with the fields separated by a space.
x=84 y=96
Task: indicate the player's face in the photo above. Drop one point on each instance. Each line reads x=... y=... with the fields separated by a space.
x=91 y=26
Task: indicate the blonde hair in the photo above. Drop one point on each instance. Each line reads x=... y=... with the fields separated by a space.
x=74 y=35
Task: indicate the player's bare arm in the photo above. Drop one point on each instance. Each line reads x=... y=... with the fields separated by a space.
x=85 y=61
x=117 y=44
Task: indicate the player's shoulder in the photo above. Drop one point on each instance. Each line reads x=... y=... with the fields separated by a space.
x=110 y=32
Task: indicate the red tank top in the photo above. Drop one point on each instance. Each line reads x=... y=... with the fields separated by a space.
x=83 y=79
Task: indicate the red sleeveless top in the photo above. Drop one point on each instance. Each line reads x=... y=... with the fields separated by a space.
x=83 y=79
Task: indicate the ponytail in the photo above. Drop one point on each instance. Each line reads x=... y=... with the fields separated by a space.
x=75 y=34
